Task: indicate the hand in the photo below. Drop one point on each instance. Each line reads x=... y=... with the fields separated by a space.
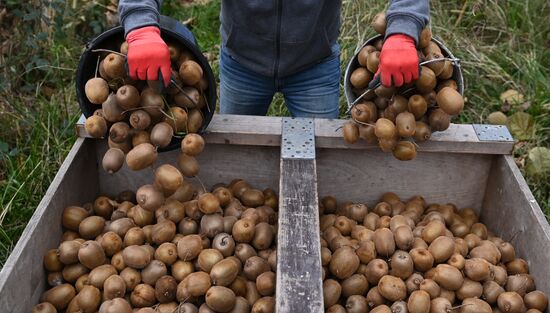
x=147 y=54
x=398 y=61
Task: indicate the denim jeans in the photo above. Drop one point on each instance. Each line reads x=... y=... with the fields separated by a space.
x=313 y=92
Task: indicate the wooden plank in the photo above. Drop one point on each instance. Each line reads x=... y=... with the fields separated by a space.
x=363 y=176
x=231 y=129
x=220 y=163
x=511 y=211
x=299 y=272
x=23 y=279
x=459 y=138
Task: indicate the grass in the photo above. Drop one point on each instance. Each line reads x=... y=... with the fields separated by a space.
x=503 y=45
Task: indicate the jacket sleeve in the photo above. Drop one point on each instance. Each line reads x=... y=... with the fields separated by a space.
x=138 y=13
x=407 y=17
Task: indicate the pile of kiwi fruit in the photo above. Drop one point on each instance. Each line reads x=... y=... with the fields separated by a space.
x=139 y=117
x=168 y=247
x=396 y=119
x=410 y=256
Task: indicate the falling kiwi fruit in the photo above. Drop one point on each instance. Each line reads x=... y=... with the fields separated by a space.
x=360 y=78
x=406 y=124
x=385 y=129
x=192 y=144
x=161 y=135
x=141 y=156
x=96 y=126
x=188 y=165
x=168 y=178
x=422 y=132
x=439 y=120
x=350 y=132
x=190 y=72
x=387 y=144
x=96 y=90
x=152 y=102
x=177 y=119
x=195 y=120
x=119 y=132
x=149 y=197
x=379 y=23
x=450 y=101
x=113 y=160
x=140 y=137
x=112 y=112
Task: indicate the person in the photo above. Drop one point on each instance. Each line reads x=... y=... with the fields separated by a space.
x=287 y=46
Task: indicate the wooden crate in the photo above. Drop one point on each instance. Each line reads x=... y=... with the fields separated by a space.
x=455 y=166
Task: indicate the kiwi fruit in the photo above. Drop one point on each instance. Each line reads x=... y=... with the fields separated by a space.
x=128 y=97
x=188 y=97
x=517 y=266
x=91 y=227
x=426 y=81
x=360 y=78
x=363 y=54
x=379 y=23
x=439 y=120
x=96 y=90
x=441 y=248
x=192 y=144
x=224 y=242
x=44 y=307
x=197 y=284
x=419 y=302
x=366 y=132
x=153 y=103
x=161 y=135
x=208 y=258
x=140 y=120
x=425 y=38
x=381 y=103
x=68 y=252
x=184 y=193
x=401 y=265
x=190 y=72
x=520 y=283
x=437 y=66
x=59 y=296
x=113 y=65
x=331 y=292
x=141 y=156
x=254 y=266
x=364 y=112
x=72 y=216
x=113 y=160
x=417 y=106
x=143 y=295
x=536 y=300
x=188 y=165
x=422 y=132
x=112 y=112
x=153 y=271
x=384 y=242
x=189 y=247
x=447 y=71
x=448 y=277
x=91 y=254
x=392 y=288
x=168 y=178
x=404 y=151
x=114 y=287
x=136 y=256
x=491 y=291
x=373 y=61
x=51 y=261
x=356 y=304
x=510 y=302
x=385 y=129
x=149 y=197
x=447 y=83
x=96 y=126
x=450 y=101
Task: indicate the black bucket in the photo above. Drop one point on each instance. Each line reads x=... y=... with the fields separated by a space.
x=171 y=31
x=354 y=63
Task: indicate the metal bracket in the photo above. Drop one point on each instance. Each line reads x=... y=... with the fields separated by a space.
x=298 y=138
x=492 y=132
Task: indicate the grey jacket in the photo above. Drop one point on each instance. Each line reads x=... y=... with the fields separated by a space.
x=277 y=38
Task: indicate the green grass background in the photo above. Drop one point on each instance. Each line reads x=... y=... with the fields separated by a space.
x=503 y=45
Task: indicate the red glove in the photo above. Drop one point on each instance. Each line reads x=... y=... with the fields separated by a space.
x=398 y=61
x=147 y=53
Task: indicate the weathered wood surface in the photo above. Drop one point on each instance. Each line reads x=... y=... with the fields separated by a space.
x=299 y=272
x=511 y=211
x=459 y=138
x=262 y=130
x=23 y=278
x=220 y=163
x=363 y=176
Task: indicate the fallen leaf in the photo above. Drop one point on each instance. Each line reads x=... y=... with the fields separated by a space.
x=538 y=162
x=511 y=96
x=521 y=125
x=526 y=105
